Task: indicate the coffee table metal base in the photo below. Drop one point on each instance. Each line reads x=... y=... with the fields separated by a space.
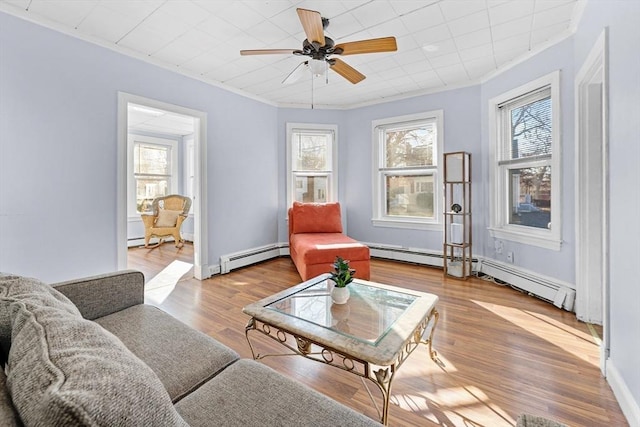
x=381 y=376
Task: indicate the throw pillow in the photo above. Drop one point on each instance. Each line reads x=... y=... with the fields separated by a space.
x=17 y=288
x=66 y=370
x=167 y=218
x=316 y=218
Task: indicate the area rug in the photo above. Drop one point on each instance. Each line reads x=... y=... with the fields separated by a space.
x=527 y=420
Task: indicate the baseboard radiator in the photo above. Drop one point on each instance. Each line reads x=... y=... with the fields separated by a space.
x=251 y=256
x=560 y=294
x=412 y=255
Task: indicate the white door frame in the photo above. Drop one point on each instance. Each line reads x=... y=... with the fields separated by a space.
x=592 y=193
x=200 y=241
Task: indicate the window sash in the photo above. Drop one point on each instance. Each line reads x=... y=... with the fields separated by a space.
x=427 y=123
x=413 y=193
x=502 y=165
x=327 y=190
x=382 y=217
x=296 y=154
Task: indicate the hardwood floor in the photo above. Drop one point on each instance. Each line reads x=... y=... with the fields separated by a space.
x=504 y=352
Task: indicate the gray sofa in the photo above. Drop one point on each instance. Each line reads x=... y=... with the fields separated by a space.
x=90 y=352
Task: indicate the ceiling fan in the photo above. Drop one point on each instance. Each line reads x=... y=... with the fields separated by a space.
x=319 y=48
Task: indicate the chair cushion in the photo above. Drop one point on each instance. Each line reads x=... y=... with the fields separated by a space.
x=182 y=357
x=248 y=394
x=65 y=370
x=316 y=248
x=17 y=288
x=316 y=218
x=167 y=218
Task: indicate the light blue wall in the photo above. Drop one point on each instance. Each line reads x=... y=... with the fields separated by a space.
x=621 y=17
x=58 y=121
x=556 y=264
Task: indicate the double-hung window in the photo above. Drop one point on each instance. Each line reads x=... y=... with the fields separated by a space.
x=525 y=170
x=407 y=174
x=311 y=163
x=153 y=171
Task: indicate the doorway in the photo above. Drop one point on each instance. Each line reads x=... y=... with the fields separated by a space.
x=592 y=237
x=146 y=121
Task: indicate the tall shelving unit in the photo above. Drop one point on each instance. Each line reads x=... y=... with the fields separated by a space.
x=457 y=260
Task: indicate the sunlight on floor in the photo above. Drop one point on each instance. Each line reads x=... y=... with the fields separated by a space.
x=468 y=406
x=578 y=343
x=161 y=286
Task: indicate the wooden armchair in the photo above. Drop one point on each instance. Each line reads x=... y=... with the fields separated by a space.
x=168 y=214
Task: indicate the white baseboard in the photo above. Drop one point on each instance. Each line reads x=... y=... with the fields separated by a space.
x=630 y=407
x=205 y=271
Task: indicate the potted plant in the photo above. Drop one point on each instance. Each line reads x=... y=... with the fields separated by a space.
x=341 y=275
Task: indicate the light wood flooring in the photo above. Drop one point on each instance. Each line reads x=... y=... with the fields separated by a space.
x=504 y=352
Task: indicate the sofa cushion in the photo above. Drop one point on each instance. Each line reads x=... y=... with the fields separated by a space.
x=8 y=415
x=182 y=357
x=65 y=370
x=248 y=393
x=317 y=248
x=17 y=288
x=316 y=218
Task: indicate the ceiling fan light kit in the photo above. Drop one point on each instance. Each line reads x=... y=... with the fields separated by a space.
x=319 y=48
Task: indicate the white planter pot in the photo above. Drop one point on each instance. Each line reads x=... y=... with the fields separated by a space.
x=340 y=295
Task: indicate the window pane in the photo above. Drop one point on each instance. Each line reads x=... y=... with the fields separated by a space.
x=410 y=195
x=148 y=189
x=311 y=151
x=151 y=159
x=311 y=189
x=531 y=129
x=410 y=147
x=530 y=196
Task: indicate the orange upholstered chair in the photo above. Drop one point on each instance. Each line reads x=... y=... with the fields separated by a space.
x=316 y=238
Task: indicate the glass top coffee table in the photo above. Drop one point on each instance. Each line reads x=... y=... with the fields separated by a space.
x=370 y=336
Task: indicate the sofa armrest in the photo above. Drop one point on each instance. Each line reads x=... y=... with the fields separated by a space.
x=101 y=295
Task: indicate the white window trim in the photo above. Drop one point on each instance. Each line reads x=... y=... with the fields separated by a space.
x=332 y=183
x=131 y=182
x=499 y=227
x=380 y=220
x=189 y=144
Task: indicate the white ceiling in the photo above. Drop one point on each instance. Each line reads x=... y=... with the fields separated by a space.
x=441 y=44
x=148 y=119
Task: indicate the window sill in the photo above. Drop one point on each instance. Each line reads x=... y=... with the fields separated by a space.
x=409 y=224
x=527 y=238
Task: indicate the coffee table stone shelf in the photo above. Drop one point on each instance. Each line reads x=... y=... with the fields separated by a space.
x=369 y=336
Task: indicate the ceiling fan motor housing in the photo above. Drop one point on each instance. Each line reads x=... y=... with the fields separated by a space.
x=308 y=49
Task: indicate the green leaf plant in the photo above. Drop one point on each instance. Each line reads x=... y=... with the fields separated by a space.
x=342 y=275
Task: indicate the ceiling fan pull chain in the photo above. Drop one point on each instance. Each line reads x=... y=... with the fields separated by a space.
x=312 y=91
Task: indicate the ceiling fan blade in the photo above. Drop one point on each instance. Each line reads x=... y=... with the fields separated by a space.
x=346 y=71
x=266 y=51
x=297 y=73
x=384 y=44
x=312 y=23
